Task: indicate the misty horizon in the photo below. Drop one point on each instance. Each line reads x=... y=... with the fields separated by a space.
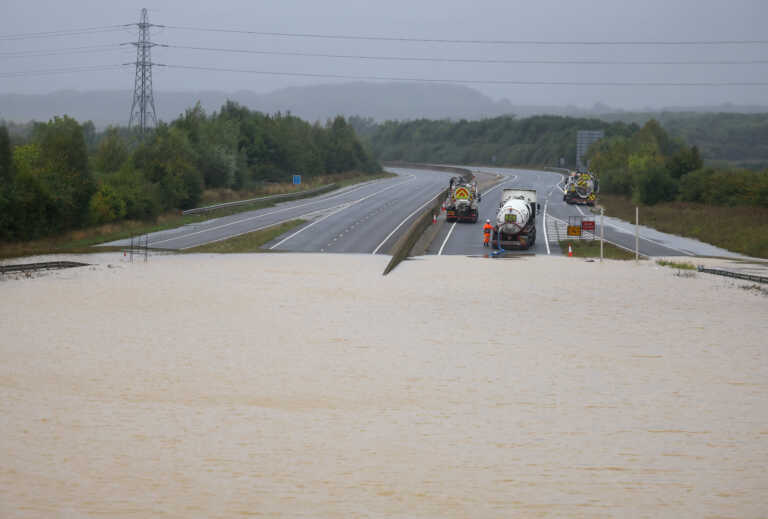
x=274 y=55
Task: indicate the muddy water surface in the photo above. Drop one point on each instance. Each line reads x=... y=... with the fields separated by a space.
x=311 y=386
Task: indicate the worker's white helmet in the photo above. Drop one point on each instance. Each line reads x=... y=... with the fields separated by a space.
x=487 y=221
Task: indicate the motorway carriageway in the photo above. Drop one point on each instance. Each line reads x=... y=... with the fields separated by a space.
x=363 y=218
x=467 y=239
x=370 y=218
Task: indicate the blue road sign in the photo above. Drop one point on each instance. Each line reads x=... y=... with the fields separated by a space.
x=297 y=179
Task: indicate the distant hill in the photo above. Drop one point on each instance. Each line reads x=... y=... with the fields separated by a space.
x=379 y=101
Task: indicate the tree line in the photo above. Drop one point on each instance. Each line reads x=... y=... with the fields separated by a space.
x=737 y=139
x=63 y=175
x=651 y=167
x=504 y=141
x=645 y=163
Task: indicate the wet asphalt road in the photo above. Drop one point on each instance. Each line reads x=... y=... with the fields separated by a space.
x=364 y=218
x=370 y=218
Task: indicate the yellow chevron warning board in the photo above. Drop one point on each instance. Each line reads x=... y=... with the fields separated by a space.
x=461 y=193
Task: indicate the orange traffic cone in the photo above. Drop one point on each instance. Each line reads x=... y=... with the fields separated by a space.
x=570 y=251
x=434 y=218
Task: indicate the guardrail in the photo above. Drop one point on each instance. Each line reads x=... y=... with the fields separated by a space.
x=45 y=265
x=404 y=245
x=730 y=274
x=214 y=207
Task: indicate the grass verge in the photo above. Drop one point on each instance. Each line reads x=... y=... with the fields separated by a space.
x=250 y=242
x=682 y=265
x=738 y=229
x=82 y=241
x=591 y=249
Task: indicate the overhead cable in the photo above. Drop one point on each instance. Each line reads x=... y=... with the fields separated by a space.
x=541 y=61
x=69 y=32
x=475 y=81
x=468 y=41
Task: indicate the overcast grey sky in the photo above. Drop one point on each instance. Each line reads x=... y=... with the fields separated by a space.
x=548 y=20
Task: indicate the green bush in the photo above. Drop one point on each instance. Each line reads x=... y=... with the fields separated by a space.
x=106 y=205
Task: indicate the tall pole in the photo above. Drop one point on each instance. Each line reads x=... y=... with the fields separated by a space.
x=143 y=113
x=637 y=233
x=602 y=233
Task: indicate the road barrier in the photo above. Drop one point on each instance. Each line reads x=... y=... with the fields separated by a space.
x=297 y=194
x=730 y=274
x=404 y=245
x=45 y=265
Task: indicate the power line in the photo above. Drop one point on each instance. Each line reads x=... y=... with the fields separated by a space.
x=67 y=70
x=472 y=60
x=57 y=52
x=467 y=41
x=475 y=81
x=69 y=32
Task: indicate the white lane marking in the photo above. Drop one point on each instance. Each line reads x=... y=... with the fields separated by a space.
x=404 y=220
x=510 y=179
x=560 y=188
x=266 y=214
x=627 y=248
x=227 y=237
x=544 y=223
x=308 y=226
x=345 y=206
x=580 y=211
x=311 y=214
x=440 y=252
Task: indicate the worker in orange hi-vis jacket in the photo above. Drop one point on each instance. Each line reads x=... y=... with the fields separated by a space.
x=487 y=228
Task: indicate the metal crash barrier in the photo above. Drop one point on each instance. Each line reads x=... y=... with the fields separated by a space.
x=730 y=274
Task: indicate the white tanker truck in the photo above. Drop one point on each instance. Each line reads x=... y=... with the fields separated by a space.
x=515 y=226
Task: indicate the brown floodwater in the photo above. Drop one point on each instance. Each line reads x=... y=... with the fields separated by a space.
x=311 y=386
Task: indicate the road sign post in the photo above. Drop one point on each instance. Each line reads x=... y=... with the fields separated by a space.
x=574 y=226
x=637 y=233
x=296 y=180
x=602 y=233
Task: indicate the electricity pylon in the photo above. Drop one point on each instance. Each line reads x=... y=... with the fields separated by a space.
x=143 y=113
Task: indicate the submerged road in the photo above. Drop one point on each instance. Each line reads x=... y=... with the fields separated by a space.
x=363 y=218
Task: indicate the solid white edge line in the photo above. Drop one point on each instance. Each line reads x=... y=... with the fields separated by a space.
x=308 y=226
x=613 y=242
x=509 y=179
x=404 y=220
x=544 y=223
x=242 y=220
x=346 y=206
x=440 y=252
x=241 y=234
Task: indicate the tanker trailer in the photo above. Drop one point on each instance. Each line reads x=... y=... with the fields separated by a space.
x=462 y=203
x=515 y=226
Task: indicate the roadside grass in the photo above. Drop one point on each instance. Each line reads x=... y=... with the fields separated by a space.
x=218 y=196
x=81 y=241
x=250 y=242
x=738 y=229
x=682 y=265
x=591 y=249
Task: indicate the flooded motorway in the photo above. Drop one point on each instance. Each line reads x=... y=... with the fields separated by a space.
x=300 y=385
